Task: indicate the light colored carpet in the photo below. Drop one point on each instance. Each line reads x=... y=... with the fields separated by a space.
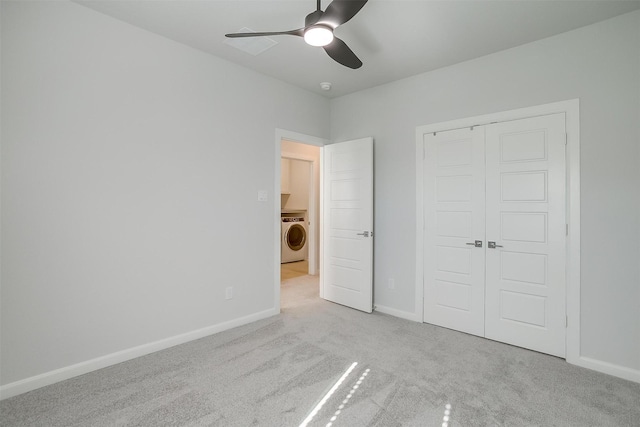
x=274 y=372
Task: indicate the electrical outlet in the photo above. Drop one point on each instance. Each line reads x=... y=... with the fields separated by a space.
x=392 y=284
x=229 y=293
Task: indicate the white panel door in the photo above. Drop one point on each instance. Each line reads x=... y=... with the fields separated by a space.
x=525 y=217
x=454 y=203
x=348 y=224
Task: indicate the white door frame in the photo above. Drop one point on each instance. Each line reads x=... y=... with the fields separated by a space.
x=277 y=227
x=571 y=109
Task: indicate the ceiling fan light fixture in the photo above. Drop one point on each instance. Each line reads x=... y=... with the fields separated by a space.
x=318 y=35
x=318 y=30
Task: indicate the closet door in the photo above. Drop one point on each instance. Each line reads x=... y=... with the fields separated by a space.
x=454 y=202
x=525 y=218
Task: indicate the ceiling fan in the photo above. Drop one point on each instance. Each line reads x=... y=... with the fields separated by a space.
x=318 y=30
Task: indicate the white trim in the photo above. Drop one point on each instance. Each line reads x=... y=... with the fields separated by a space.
x=419 y=291
x=397 y=313
x=277 y=224
x=502 y=116
x=609 y=368
x=572 y=117
x=321 y=230
x=51 y=377
x=299 y=137
x=571 y=110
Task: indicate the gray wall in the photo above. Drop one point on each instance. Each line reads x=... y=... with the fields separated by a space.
x=126 y=157
x=130 y=171
x=599 y=64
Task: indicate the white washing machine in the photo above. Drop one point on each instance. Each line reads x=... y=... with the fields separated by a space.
x=294 y=239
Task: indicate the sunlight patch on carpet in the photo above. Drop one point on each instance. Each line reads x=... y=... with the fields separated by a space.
x=328 y=395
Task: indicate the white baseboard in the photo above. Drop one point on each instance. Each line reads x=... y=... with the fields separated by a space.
x=397 y=313
x=629 y=374
x=35 y=382
x=51 y=377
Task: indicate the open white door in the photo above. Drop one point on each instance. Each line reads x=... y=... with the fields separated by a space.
x=347 y=211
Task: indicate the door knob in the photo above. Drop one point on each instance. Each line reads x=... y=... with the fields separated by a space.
x=365 y=234
x=492 y=245
x=477 y=243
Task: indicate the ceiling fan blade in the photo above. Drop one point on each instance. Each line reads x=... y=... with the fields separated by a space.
x=299 y=32
x=340 y=52
x=340 y=11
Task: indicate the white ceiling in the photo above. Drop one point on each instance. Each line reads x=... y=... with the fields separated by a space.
x=393 y=38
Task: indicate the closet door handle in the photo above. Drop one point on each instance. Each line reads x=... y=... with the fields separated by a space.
x=492 y=245
x=477 y=243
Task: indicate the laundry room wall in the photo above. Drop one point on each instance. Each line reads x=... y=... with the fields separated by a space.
x=600 y=65
x=299 y=181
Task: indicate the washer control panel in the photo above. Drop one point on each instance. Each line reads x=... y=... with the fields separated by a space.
x=292 y=219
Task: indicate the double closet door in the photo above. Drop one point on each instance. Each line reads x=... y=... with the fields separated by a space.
x=495 y=231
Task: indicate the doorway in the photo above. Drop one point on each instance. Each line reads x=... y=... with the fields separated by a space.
x=297 y=155
x=299 y=201
x=345 y=173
